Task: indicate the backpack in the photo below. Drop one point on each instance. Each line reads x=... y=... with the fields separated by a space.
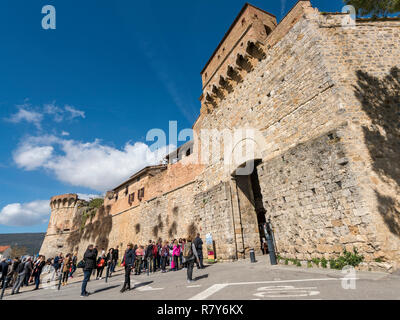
x=187 y=250
x=101 y=263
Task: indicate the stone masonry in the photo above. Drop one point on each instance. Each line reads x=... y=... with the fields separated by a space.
x=324 y=100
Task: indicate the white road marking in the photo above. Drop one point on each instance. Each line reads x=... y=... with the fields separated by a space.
x=217 y=287
x=286 y=292
x=148 y=288
x=210 y=291
x=197 y=286
x=283 y=288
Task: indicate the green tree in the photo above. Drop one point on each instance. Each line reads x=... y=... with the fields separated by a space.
x=375 y=8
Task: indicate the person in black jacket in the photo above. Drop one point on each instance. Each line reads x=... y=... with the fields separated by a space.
x=109 y=261
x=129 y=259
x=198 y=243
x=37 y=270
x=4 y=270
x=115 y=258
x=90 y=264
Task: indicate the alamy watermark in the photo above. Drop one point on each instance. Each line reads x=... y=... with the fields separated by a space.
x=49 y=20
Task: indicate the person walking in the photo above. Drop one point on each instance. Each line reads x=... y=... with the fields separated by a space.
x=198 y=243
x=190 y=255
x=139 y=260
x=28 y=275
x=23 y=269
x=129 y=259
x=155 y=254
x=66 y=269
x=90 y=264
x=159 y=248
x=101 y=263
x=164 y=256
x=115 y=259
x=12 y=272
x=37 y=270
x=149 y=257
x=4 y=265
x=264 y=246
x=74 y=263
x=57 y=265
x=176 y=252
x=109 y=261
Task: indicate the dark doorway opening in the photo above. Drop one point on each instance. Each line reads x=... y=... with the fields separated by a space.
x=252 y=211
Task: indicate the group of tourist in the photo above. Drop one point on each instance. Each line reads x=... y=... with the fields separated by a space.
x=177 y=254
x=155 y=256
x=20 y=272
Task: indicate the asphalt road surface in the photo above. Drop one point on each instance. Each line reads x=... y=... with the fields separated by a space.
x=239 y=280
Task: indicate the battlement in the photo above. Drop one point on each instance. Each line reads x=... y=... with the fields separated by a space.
x=65 y=200
x=236 y=53
x=247 y=42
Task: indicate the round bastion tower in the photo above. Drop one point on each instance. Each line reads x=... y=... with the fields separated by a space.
x=63 y=210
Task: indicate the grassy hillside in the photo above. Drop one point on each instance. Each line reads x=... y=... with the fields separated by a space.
x=32 y=241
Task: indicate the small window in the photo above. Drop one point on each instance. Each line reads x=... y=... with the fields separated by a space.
x=243 y=21
x=131 y=198
x=126 y=191
x=188 y=152
x=116 y=196
x=141 y=194
x=267 y=30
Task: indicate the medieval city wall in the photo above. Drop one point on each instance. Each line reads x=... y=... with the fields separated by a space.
x=363 y=61
x=324 y=101
x=305 y=90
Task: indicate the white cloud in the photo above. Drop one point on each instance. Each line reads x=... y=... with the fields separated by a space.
x=65 y=133
x=59 y=114
x=55 y=111
x=74 y=113
x=32 y=157
x=24 y=114
x=92 y=165
x=28 y=214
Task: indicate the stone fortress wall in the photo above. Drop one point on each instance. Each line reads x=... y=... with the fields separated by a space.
x=324 y=100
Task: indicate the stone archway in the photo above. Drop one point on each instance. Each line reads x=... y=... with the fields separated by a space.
x=243 y=156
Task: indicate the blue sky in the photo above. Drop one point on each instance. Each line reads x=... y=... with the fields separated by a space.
x=76 y=102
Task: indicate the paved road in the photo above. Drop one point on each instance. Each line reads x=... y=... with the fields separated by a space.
x=240 y=280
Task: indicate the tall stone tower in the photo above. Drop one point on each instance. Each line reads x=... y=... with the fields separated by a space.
x=63 y=210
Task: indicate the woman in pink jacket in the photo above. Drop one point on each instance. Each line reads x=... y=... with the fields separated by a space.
x=175 y=256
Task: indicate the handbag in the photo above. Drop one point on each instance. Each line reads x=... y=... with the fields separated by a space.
x=81 y=264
